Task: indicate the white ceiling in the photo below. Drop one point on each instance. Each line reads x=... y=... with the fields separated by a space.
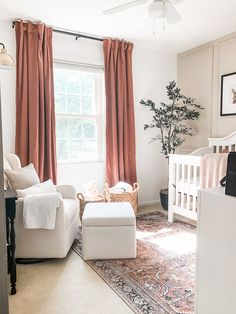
x=202 y=20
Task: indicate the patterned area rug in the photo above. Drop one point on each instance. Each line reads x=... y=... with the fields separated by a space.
x=161 y=279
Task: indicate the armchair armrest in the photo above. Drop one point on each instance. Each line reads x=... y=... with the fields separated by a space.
x=60 y=216
x=67 y=191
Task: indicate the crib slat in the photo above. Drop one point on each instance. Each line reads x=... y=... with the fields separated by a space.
x=233 y=148
x=194 y=203
x=172 y=188
x=177 y=180
x=214 y=149
x=183 y=181
x=195 y=175
x=188 y=182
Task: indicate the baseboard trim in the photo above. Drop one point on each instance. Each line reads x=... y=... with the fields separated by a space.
x=149 y=203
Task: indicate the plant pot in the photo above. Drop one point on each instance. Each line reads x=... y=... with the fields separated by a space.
x=164 y=198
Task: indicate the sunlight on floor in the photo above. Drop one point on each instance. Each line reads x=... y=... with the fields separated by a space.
x=182 y=243
x=144 y=234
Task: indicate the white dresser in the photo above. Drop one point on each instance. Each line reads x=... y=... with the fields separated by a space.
x=216 y=253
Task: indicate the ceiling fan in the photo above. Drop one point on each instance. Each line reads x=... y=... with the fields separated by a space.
x=157 y=9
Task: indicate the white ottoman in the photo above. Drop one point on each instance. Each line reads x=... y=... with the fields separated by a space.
x=108 y=231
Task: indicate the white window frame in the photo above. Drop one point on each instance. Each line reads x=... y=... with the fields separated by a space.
x=100 y=114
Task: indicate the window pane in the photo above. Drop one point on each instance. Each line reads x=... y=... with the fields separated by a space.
x=82 y=150
x=62 y=150
x=88 y=84
x=59 y=81
x=73 y=103
x=89 y=129
x=90 y=146
x=62 y=128
x=75 y=127
x=76 y=139
x=87 y=104
x=89 y=149
x=60 y=103
x=75 y=148
x=73 y=82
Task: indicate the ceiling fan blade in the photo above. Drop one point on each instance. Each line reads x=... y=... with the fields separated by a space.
x=171 y=14
x=125 y=6
x=176 y=1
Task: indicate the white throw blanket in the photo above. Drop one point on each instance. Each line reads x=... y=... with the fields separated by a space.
x=213 y=169
x=40 y=210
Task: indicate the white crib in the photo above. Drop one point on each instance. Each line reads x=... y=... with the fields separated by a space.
x=184 y=176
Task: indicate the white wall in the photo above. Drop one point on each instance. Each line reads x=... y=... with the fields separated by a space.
x=8 y=90
x=152 y=71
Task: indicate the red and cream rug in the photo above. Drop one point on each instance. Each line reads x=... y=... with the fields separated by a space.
x=161 y=279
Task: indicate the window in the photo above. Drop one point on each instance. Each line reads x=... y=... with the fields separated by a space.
x=79 y=113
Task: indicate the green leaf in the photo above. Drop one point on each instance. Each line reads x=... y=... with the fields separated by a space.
x=170 y=118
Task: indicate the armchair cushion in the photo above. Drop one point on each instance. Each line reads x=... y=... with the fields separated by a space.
x=40 y=188
x=22 y=178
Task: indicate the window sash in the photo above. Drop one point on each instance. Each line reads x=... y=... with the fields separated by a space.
x=97 y=117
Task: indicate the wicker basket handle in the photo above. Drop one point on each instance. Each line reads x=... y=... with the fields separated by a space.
x=81 y=197
x=107 y=192
x=100 y=196
x=106 y=186
x=136 y=187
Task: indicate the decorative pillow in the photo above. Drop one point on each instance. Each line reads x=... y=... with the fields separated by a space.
x=41 y=188
x=22 y=178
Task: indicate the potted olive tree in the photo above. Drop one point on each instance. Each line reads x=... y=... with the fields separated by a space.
x=170 y=118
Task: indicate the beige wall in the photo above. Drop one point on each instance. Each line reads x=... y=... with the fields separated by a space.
x=199 y=76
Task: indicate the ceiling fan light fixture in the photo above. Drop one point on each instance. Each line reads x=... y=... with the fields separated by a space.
x=158 y=10
x=155 y=9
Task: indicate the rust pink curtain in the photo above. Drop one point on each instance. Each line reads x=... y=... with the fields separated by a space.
x=120 y=123
x=35 y=112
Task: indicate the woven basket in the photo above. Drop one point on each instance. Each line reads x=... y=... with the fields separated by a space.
x=131 y=197
x=83 y=202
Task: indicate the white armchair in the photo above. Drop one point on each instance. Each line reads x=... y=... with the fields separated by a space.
x=41 y=243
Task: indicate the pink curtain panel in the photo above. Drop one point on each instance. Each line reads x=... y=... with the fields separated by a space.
x=35 y=111
x=120 y=123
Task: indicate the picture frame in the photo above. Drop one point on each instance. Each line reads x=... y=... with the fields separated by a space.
x=228 y=94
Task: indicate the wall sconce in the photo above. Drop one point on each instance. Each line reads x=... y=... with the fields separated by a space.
x=6 y=61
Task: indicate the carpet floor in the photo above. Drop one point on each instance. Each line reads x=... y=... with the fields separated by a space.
x=161 y=280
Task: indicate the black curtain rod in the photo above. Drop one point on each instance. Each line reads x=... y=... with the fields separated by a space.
x=76 y=35
x=70 y=33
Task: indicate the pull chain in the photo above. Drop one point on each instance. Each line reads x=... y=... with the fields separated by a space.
x=164 y=14
x=154 y=26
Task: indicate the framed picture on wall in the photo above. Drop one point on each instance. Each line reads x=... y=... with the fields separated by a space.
x=228 y=94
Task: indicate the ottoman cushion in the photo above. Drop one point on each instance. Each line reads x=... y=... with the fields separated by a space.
x=108 y=214
x=108 y=231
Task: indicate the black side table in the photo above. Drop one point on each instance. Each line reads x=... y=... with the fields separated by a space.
x=10 y=204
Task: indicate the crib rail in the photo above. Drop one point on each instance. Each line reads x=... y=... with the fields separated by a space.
x=184 y=173
x=184 y=176
x=223 y=144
